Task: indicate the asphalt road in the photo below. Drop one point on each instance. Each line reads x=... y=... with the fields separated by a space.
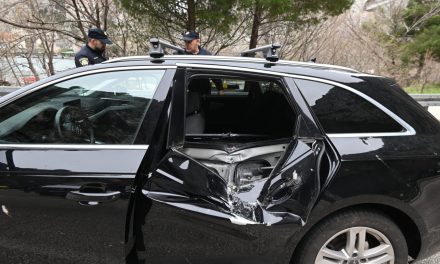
x=433 y=260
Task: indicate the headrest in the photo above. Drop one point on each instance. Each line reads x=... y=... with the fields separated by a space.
x=203 y=86
x=192 y=102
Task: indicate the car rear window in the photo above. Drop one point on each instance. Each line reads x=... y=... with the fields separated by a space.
x=342 y=111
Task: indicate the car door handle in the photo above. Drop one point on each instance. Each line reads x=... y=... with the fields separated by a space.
x=93 y=197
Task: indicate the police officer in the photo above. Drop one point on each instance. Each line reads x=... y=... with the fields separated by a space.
x=192 y=44
x=192 y=47
x=93 y=51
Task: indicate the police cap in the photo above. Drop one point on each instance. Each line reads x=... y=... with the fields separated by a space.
x=190 y=35
x=97 y=33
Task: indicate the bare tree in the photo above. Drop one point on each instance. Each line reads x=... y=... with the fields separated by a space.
x=53 y=24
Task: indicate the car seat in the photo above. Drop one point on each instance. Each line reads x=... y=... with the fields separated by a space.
x=195 y=120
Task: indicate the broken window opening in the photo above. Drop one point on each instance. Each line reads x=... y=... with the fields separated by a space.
x=246 y=111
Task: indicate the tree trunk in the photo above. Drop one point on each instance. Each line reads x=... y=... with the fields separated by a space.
x=255 y=25
x=78 y=20
x=12 y=70
x=105 y=15
x=32 y=67
x=28 y=56
x=420 y=65
x=44 y=64
x=191 y=23
x=51 y=54
x=98 y=15
x=423 y=87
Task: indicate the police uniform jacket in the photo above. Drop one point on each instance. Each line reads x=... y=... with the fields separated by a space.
x=88 y=56
x=202 y=51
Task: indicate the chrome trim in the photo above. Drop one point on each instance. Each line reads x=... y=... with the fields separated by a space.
x=368 y=135
x=73 y=147
x=106 y=176
x=96 y=194
x=118 y=68
x=145 y=192
x=410 y=131
x=230 y=58
x=171 y=177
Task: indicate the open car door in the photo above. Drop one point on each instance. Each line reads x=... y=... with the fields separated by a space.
x=185 y=211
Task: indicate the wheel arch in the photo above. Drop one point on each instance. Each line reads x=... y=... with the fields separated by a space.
x=411 y=228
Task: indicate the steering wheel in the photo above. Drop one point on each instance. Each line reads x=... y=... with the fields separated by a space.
x=73 y=125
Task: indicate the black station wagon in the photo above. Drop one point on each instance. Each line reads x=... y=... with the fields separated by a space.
x=149 y=160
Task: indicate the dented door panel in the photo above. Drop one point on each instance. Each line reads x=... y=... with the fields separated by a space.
x=285 y=196
x=179 y=178
x=177 y=235
x=296 y=186
x=195 y=214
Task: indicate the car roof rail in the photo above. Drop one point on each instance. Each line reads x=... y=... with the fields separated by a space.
x=269 y=52
x=157 y=47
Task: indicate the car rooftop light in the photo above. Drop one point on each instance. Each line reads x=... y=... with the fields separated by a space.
x=269 y=52
x=157 y=48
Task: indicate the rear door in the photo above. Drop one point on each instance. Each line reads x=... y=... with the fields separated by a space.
x=68 y=156
x=185 y=212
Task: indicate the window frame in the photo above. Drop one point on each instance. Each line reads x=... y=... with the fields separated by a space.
x=408 y=130
x=133 y=145
x=212 y=74
x=177 y=138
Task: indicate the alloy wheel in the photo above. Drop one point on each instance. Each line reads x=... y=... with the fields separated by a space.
x=357 y=245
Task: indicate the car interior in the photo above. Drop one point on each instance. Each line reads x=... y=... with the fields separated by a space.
x=73 y=116
x=252 y=110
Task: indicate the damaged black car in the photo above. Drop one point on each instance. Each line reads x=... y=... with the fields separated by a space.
x=145 y=160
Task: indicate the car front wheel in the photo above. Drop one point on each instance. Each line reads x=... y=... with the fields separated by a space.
x=354 y=237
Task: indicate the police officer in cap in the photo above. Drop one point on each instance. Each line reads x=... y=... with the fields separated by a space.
x=93 y=51
x=192 y=44
x=192 y=47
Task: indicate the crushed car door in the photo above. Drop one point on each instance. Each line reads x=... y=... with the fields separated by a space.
x=186 y=212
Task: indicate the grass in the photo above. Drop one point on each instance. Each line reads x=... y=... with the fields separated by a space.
x=432 y=88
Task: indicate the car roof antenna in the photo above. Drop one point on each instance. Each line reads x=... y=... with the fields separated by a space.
x=157 y=47
x=269 y=52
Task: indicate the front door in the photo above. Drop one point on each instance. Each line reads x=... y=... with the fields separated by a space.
x=69 y=152
x=233 y=191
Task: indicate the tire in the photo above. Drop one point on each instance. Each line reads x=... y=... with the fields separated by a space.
x=328 y=240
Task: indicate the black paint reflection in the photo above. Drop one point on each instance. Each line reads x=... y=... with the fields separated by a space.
x=39 y=223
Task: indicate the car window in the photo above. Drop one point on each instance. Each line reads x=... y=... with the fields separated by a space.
x=342 y=111
x=248 y=110
x=229 y=86
x=102 y=108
